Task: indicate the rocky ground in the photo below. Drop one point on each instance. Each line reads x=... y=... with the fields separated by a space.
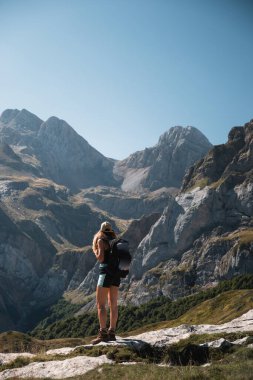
x=70 y=366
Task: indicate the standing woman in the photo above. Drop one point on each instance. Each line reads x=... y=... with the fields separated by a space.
x=107 y=286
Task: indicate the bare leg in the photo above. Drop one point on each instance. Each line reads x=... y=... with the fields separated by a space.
x=101 y=305
x=113 y=304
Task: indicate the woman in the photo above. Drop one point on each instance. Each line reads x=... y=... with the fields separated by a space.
x=107 y=286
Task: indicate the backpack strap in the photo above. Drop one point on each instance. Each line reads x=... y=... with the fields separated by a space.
x=113 y=242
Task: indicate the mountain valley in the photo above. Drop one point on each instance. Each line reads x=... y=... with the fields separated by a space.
x=185 y=207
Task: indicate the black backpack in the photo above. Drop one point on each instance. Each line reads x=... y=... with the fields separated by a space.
x=119 y=258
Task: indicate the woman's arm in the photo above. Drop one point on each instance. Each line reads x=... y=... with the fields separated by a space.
x=100 y=251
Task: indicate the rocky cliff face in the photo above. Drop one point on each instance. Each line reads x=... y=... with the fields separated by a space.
x=23 y=263
x=165 y=164
x=39 y=226
x=126 y=205
x=46 y=232
x=206 y=234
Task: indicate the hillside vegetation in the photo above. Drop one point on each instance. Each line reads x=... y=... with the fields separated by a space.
x=15 y=341
x=216 y=305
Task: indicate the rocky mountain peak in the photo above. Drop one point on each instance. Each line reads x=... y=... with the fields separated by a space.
x=55 y=126
x=236 y=134
x=249 y=131
x=55 y=149
x=163 y=165
x=8 y=115
x=57 y=133
x=21 y=120
x=178 y=135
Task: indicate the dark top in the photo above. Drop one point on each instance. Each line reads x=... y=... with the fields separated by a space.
x=104 y=267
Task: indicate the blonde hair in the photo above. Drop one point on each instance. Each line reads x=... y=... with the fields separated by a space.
x=101 y=235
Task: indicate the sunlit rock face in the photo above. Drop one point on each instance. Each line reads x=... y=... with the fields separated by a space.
x=206 y=234
x=163 y=165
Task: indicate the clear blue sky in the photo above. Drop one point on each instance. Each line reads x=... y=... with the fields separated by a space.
x=122 y=72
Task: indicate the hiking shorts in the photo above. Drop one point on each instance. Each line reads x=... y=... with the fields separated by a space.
x=105 y=280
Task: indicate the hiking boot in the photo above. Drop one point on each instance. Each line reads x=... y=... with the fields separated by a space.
x=102 y=337
x=111 y=335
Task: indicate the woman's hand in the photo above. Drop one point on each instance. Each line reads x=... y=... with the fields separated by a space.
x=100 y=251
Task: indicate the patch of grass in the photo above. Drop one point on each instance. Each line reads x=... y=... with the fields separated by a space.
x=118 y=354
x=244 y=236
x=201 y=183
x=220 y=309
x=17 y=363
x=78 y=297
x=215 y=185
x=14 y=341
x=231 y=371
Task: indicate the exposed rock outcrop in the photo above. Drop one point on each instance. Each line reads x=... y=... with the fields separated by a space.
x=206 y=234
x=163 y=165
x=126 y=205
x=25 y=269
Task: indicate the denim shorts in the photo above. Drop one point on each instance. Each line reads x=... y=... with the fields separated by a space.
x=105 y=280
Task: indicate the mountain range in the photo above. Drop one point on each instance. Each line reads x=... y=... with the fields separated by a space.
x=185 y=206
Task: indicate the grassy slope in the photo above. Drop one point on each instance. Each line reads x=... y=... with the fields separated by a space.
x=223 y=308
x=14 y=341
x=239 y=370
x=132 y=317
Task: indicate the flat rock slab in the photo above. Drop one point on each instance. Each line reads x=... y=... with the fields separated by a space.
x=57 y=369
x=175 y=334
x=130 y=342
x=8 y=358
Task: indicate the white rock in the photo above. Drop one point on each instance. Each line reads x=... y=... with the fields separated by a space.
x=57 y=369
x=62 y=351
x=175 y=334
x=8 y=358
x=241 y=341
x=219 y=343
